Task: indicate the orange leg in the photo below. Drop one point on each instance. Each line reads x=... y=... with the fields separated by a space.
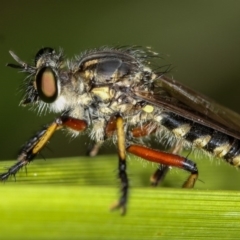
x=167 y=159
x=162 y=170
x=142 y=131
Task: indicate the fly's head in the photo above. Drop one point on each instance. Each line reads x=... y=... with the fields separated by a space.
x=43 y=83
x=47 y=80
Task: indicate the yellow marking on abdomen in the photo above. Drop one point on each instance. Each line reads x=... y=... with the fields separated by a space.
x=236 y=161
x=202 y=141
x=222 y=150
x=182 y=130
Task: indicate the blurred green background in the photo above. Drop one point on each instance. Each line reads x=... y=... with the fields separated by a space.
x=201 y=39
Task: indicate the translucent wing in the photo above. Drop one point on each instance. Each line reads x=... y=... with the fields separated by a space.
x=175 y=97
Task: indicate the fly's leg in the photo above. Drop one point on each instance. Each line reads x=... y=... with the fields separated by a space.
x=167 y=159
x=39 y=140
x=30 y=149
x=162 y=170
x=94 y=148
x=122 y=175
x=110 y=129
x=159 y=174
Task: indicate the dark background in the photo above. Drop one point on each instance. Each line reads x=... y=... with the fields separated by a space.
x=201 y=39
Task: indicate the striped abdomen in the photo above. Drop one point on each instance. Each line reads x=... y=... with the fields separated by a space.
x=219 y=144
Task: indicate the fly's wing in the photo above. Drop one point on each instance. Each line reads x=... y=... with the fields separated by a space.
x=175 y=97
x=202 y=104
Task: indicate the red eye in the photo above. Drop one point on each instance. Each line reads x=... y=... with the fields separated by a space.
x=46 y=83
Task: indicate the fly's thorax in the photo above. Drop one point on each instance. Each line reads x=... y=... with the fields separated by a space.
x=106 y=66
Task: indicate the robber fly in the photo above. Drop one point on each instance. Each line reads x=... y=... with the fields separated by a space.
x=114 y=94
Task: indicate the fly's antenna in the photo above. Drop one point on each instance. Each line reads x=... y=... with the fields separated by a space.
x=22 y=65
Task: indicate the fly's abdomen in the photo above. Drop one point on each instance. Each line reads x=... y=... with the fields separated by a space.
x=219 y=144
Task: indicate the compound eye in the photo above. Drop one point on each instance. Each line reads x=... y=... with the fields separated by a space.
x=41 y=52
x=46 y=84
